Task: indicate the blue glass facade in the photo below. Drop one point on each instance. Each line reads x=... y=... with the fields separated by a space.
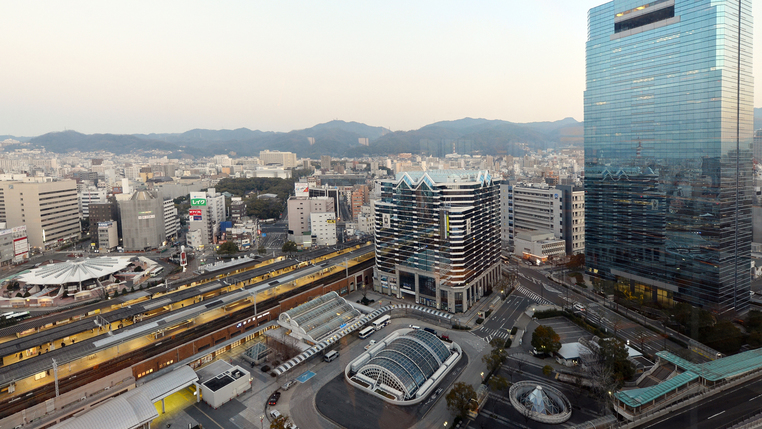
x=668 y=134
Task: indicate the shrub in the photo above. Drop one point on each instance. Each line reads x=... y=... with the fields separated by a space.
x=488 y=313
x=479 y=321
x=514 y=330
x=508 y=343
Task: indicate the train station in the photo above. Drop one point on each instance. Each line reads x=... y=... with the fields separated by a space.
x=134 y=339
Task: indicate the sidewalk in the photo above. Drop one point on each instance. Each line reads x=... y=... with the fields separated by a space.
x=467 y=318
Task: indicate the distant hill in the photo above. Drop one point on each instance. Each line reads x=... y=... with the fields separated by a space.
x=490 y=137
x=335 y=138
x=70 y=141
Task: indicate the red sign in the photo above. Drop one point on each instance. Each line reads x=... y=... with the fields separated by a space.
x=183 y=259
x=194 y=212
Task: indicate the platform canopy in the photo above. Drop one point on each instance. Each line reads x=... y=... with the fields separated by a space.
x=75 y=271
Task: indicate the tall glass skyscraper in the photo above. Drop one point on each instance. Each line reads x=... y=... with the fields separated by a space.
x=668 y=134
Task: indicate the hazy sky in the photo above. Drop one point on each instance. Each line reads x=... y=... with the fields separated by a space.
x=170 y=66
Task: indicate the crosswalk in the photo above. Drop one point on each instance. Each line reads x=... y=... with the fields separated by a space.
x=533 y=296
x=491 y=333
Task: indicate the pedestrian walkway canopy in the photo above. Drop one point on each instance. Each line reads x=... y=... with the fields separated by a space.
x=135 y=408
x=644 y=396
x=314 y=320
x=720 y=369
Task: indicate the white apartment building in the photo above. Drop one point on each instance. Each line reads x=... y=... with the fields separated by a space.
x=171 y=220
x=323 y=228
x=87 y=195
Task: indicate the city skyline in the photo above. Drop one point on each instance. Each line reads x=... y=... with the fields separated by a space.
x=102 y=68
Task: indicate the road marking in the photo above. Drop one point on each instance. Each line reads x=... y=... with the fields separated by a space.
x=207 y=415
x=754 y=398
x=715 y=415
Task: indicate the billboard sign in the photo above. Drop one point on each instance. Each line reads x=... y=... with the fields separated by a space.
x=198 y=199
x=302 y=189
x=146 y=217
x=20 y=246
x=194 y=212
x=196 y=217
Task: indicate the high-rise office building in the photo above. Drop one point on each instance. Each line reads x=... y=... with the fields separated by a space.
x=668 y=133
x=438 y=237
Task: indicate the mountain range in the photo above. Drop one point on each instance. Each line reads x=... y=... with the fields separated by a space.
x=336 y=138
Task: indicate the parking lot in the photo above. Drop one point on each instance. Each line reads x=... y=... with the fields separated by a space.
x=568 y=331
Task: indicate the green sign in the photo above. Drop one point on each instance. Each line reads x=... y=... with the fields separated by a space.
x=198 y=201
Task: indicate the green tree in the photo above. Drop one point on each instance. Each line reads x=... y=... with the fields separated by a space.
x=498 y=383
x=281 y=422
x=289 y=247
x=228 y=248
x=725 y=337
x=497 y=356
x=547 y=370
x=261 y=250
x=576 y=261
x=545 y=339
x=460 y=397
x=614 y=355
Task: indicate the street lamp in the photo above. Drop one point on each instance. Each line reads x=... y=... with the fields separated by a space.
x=482 y=376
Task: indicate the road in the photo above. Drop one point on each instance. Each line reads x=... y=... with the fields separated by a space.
x=718 y=411
x=533 y=284
x=499 y=324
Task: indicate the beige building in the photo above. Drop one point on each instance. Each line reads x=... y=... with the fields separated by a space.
x=299 y=223
x=286 y=159
x=49 y=210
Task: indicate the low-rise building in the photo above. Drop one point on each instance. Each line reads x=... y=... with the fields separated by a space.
x=538 y=246
x=108 y=237
x=14 y=246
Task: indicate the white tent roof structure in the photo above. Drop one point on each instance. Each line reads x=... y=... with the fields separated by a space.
x=75 y=271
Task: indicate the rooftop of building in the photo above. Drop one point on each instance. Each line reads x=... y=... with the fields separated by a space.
x=445 y=176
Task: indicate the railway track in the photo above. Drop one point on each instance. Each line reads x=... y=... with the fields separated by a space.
x=82 y=378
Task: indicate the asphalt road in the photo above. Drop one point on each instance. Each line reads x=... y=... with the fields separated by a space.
x=499 y=324
x=717 y=411
x=533 y=283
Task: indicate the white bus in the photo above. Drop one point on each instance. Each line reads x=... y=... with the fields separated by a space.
x=157 y=271
x=365 y=333
x=381 y=322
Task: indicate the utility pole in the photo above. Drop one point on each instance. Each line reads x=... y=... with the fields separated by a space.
x=55 y=375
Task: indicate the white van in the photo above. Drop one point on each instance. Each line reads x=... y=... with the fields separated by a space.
x=333 y=354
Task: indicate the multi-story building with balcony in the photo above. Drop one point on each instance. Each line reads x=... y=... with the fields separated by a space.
x=437 y=237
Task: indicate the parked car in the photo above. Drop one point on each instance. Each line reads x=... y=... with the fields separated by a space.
x=370 y=344
x=274 y=413
x=289 y=385
x=274 y=399
x=414 y=327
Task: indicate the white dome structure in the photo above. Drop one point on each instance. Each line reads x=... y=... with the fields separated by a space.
x=75 y=272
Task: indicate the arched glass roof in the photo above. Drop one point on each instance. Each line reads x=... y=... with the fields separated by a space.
x=407 y=361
